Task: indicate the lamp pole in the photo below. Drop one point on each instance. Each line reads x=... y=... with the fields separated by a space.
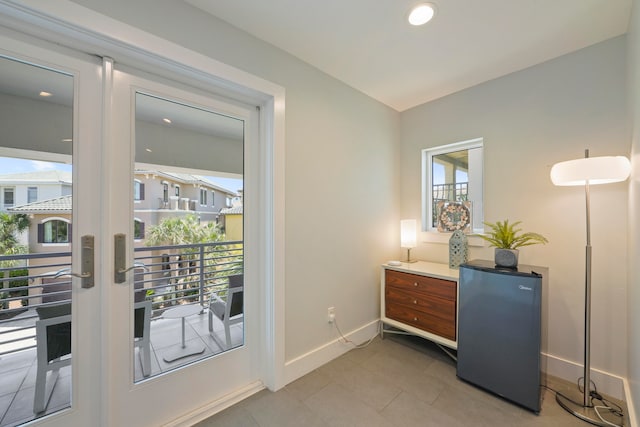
x=587 y=299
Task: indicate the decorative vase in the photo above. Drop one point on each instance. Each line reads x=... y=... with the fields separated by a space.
x=458 y=249
x=507 y=258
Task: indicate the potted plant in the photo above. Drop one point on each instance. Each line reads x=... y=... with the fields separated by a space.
x=507 y=239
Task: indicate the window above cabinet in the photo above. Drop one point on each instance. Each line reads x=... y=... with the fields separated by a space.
x=452 y=181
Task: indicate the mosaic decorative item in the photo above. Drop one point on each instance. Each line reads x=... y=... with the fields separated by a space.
x=458 y=249
x=454 y=216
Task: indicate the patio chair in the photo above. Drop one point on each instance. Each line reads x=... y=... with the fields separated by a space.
x=53 y=335
x=141 y=332
x=56 y=288
x=229 y=311
x=139 y=290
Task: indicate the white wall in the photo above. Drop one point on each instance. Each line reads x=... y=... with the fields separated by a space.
x=341 y=171
x=633 y=300
x=530 y=120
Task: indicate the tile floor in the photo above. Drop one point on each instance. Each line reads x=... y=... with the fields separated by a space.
x=398 y=381
x=18 y=370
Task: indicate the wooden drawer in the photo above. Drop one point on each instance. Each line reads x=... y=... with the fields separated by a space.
x=430 y=305
x=427 y=285
x=442 y=324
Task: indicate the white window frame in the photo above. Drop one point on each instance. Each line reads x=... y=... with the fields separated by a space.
x=203 y=197
x=4 y=197
x=138 y=220
x=137 y=184
x=165 y=191
x=431 y=233
x=56 y=218
x=29 y=189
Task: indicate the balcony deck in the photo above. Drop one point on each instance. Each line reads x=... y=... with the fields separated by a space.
x=168 y=276
x=18 y=370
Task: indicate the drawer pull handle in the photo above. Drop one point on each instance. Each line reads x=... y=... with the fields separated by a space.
x=415 y=284
x=415 y=319
x=415 y=301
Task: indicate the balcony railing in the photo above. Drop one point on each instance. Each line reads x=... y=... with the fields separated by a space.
x=166 y=275
x=447 y=192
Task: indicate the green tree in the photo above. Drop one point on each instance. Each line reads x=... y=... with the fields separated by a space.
x=182 y=231
x=11 y=225
x=185 y=231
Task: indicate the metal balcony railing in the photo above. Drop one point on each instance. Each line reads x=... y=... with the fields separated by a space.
x=457 y=192
x=166 y=275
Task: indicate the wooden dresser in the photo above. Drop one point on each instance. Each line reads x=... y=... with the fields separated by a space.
x=421 y=298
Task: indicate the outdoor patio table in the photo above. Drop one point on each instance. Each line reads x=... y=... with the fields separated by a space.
x=180 y=312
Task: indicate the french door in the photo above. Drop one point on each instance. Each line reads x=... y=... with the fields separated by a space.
x=152 y=237
x=50 y=152
x=168 y=146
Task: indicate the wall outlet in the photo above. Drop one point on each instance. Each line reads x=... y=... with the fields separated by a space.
x=331 y=314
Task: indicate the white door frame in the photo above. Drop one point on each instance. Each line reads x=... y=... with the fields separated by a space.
x=78 y=27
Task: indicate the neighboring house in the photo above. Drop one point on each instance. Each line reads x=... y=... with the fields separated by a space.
x=157 y=195
x=50 y=228
x=232 y=219
x=21 y=188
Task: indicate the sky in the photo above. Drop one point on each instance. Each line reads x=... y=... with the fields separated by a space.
x=12 y=165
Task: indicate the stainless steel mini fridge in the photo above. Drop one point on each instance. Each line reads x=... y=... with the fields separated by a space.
x=499 y=330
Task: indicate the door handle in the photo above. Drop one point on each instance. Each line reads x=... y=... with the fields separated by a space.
x=120 y=258
x=86 y=262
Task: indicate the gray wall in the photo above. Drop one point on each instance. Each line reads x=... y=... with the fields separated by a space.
x=341 y=171
x=633 y=300
x=530 y=120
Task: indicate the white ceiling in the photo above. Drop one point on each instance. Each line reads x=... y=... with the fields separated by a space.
x=368 y=44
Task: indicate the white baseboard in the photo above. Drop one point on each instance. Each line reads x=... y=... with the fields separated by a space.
x=302 y=365
x=216 y=406
x=631 y=410
x=607 y=383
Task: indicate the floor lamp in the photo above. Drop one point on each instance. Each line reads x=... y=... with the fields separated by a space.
x=586 y=172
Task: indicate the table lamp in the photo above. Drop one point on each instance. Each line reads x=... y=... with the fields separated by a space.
x=408 y=236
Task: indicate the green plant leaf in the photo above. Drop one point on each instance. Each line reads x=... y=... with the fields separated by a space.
x=504 y=235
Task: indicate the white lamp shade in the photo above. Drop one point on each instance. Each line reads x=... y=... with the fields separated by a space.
x=595 y=170
x=408 y=233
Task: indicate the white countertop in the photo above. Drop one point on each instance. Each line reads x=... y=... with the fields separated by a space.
x=433 y=269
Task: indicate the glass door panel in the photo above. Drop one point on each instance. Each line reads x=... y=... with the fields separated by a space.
x=40 y=231
x=176 y=170
x=36 y=115
x=187 y=218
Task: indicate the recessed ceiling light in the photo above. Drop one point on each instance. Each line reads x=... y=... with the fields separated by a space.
x=421 y=14
x=45 y=94
x=167 y=121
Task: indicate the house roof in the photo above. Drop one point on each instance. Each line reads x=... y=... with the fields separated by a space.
x=236 y=210
x=37 y=177
x=57 y=205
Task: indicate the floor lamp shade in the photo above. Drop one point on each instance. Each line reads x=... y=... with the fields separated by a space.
x=595 y=170
x=586 y=172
